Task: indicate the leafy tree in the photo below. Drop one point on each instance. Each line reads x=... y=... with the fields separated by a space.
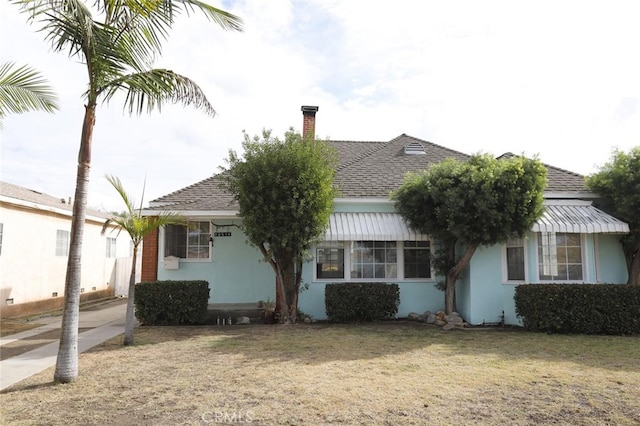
x=23 y=89
x=137 y=226
x=117 y=46
x=285 y=192
x=618 y=182
x=480 y=202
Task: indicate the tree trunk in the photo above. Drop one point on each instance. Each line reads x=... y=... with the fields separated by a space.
x=634 y=268
x=452 y=276
x=129 y=320
x=67 y=361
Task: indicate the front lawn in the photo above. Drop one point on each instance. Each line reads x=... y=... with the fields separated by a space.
x=386 y=373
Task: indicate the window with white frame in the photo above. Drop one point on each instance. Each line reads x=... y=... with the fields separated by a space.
x=188 y=242
x=373 y=260
x=560 y=257
x=417 y=259
x=515 y=259
x=111 y=247
x=62 y=243
x=330 y=260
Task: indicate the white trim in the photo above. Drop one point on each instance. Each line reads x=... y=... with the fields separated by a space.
x=505 y=271
x=384 y=201
x=570 y=195
x=50 y=209
x=346 y=245
x=217 y=214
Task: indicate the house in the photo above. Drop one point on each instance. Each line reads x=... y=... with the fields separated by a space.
x=34 y=244
x=366 y=240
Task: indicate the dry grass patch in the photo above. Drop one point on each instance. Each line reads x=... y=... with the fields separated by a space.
x=9 y=327
x=387 y=373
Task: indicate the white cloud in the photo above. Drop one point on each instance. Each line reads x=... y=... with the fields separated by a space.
x=557 y=79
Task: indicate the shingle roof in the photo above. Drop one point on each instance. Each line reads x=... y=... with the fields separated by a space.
x=39 y=199
x=369 y=169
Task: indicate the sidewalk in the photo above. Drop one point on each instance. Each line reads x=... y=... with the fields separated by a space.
x=103 y=321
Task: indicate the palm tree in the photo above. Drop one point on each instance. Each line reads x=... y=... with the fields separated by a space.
x=23 y=89
x=137 y=226
x=118 y=51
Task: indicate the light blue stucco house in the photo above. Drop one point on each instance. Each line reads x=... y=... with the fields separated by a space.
x=366 y=240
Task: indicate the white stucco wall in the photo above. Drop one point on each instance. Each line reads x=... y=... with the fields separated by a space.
x=29 y=268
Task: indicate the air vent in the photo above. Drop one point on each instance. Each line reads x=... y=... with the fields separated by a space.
x=414 y=148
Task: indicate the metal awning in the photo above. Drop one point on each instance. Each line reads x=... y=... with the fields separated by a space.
x=370 y=227
x=578 y=217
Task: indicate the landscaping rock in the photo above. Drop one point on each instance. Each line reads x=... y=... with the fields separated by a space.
x=413 y=316
x=439 y=323
x=243 y=321
x=448 y=326
x=440 y=315
x=454 y=318
x=431 y=318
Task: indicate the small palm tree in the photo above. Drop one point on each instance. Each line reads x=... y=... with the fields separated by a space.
x=117 y=42
x=137 y=226
x=24 y=89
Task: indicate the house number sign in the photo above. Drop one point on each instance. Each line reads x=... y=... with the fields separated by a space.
x=222 y=234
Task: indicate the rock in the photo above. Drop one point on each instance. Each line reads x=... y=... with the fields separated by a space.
x=454 y=318
x=307 y=320
x=243 y=321
x=448 y=326
x=439 y=322
x=427 y=313
x=413 y=316
x=440 y=315
x=431 y=318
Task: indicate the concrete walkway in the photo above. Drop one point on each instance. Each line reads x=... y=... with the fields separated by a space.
x=104 y=322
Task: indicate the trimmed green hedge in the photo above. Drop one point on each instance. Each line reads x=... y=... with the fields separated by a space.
x=349 y=302
x=172 y=302
x=579 y=308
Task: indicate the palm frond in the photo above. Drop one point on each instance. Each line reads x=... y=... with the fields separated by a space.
x=151 y=89
x=23 y=89
x=117 y=185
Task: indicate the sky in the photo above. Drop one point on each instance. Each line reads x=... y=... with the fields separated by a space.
x=556 y=79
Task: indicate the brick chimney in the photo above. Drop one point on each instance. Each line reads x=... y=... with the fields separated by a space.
x=309 y=121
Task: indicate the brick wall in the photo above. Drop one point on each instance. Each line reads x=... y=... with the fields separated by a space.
x=150 y=257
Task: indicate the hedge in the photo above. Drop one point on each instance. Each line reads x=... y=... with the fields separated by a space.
x=172 y=302
x=579 y=308
x=349 y=302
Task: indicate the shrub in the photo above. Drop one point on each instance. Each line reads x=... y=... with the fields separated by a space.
x=172 y=302
x=579 y=308
x=348 y=302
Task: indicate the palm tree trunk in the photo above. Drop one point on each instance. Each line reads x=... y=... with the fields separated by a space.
x=129 y=320
x=67 y=361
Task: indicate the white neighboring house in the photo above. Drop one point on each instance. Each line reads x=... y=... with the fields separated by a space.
x=34 y=244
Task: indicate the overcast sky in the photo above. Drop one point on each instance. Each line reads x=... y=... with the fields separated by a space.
x=558 y=79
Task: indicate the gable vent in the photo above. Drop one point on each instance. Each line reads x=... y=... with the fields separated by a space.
x=414 y=148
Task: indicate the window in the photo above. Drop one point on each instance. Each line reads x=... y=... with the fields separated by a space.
x=111 y=247
x=559 y=257
x=417 y=259
x=330 y=260
x=374 y=259
x=192 y=242
x=62 y=243
x=515 y=259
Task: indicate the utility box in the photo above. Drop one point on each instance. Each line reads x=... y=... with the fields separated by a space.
x=171 y=262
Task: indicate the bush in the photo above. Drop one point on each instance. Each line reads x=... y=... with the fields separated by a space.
x=579 y=308
x=172 y=302
x=349 y=302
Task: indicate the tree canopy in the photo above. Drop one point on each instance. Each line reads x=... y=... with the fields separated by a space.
x=468 y=204
x=285 y=192
x=24 y=89
x=618 y=184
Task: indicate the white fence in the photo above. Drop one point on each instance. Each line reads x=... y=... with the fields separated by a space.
x=123 y=273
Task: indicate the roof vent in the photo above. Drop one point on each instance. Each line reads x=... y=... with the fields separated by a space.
x=414 y=148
